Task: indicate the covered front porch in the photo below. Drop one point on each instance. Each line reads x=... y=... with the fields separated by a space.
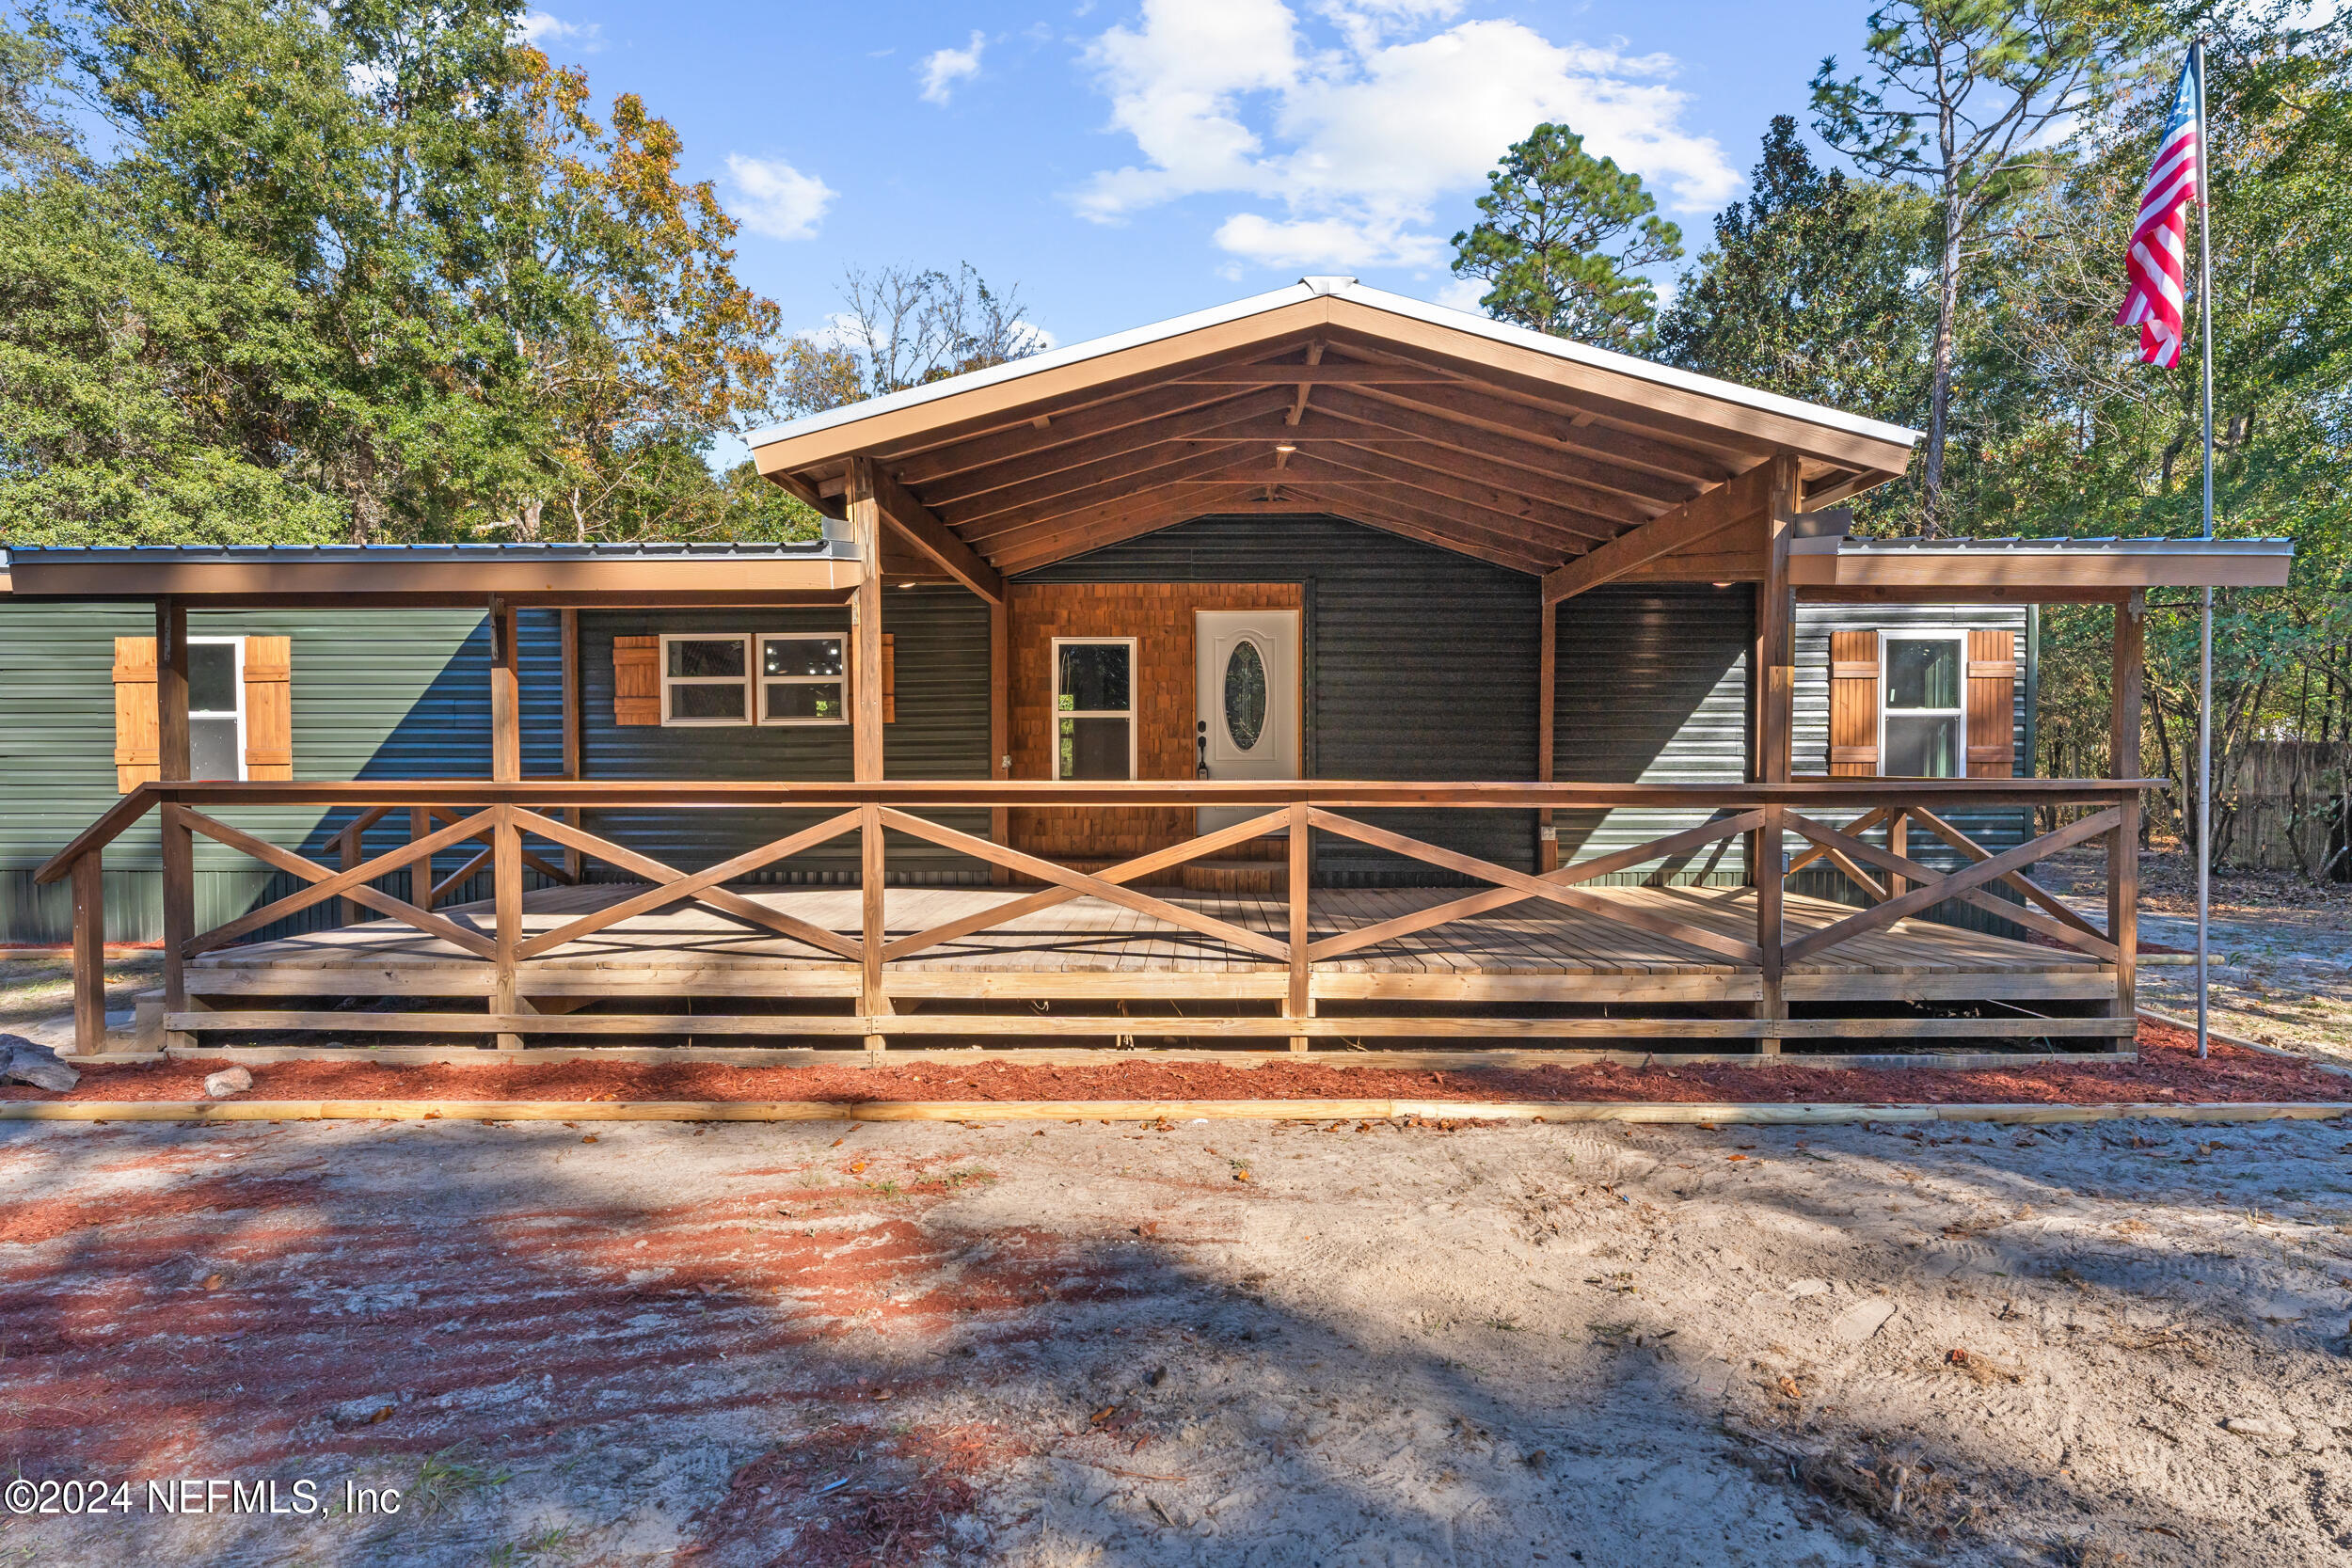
x=1137 y=855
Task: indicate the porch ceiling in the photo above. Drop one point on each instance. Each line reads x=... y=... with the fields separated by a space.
x=1521 y=449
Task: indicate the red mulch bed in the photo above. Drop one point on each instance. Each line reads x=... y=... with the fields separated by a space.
x=2168 y=1071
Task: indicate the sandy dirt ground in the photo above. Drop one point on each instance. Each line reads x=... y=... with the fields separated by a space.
x=1258 y=1344
x=2280 y=947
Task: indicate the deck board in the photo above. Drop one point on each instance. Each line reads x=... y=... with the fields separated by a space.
x=1090 y=935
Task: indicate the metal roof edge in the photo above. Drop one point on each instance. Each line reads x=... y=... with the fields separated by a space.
x=1626 y=364
x=1052 y=359
x=2111 y=545
x=655 y=550
x=1361 y=293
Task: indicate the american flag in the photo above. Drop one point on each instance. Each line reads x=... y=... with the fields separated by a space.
x=2159 y=260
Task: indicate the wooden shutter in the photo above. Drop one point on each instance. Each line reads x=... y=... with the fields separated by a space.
x=890 y=678
x=637 y=680
x=1992 y=703
x=1854 y=704
x=136 y=740
x=269 y=707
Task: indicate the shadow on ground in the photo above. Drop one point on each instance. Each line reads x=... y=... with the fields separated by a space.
x=1334 y=1344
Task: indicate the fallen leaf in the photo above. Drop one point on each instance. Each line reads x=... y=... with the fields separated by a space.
x=856 y=1166
x=1788 y=1386
x=212 y=1282
x=589 y=1139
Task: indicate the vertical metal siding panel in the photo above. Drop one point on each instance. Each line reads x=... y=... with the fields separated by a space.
x=941 y=731
x=1421 y=664
x=1652 y=689
x=376 y=694
x=1995 y=828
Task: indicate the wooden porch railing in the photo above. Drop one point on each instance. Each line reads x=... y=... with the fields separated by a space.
x=449 y=814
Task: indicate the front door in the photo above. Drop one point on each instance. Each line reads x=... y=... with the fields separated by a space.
x=1246 y=700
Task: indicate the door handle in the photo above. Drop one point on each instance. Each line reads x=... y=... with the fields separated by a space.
x=1202 y=771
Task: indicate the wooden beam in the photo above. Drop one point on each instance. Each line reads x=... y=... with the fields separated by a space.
x=1546 y=704
x=1387 y=510
x=1691 y=522
x=1335 y=372
x=89 y=955
x=1027 y=468
x=1000 y=720
x=1592 y=517
x=1001 y=510
x=171 y=688
x=1535 y=541
x=1491 y=408
x=1775 y=629
x=506 y=731
x=1024 y=437
x=927 y=534
x=1549 y=459
x=866 y=660
x=2128 y=679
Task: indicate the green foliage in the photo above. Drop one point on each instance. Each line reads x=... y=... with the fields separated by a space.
x=366 y=271
x=1959 y=98
x=1561 y=239
x=1807 y=290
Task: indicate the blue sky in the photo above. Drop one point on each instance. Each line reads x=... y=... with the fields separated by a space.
x=1128 y=160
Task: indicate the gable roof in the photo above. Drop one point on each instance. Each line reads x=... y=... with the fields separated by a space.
x=1525 y=449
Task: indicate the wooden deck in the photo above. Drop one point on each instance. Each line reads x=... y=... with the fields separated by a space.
x=1088 y=949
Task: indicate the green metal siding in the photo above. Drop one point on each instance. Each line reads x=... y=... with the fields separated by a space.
x=941 y=731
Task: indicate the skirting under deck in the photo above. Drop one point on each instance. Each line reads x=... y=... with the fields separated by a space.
x=1077 y=966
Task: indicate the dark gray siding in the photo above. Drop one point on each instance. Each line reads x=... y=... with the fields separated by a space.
x=1652 y=689
x=941 y=731
x=1419 y=664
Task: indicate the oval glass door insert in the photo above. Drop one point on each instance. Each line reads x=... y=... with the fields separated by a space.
x=1244 y=695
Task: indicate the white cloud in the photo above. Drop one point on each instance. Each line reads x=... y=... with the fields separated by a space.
x=772 y=197
x=1463 y=293
x=1353 y=122
x=943 y=68
x=541 y=30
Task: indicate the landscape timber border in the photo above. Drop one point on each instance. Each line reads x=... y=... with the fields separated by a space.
x=98 y=1112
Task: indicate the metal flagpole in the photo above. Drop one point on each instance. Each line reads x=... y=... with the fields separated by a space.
x=2205 y=637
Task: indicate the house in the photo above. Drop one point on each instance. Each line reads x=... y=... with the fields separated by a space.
x=1207 y=663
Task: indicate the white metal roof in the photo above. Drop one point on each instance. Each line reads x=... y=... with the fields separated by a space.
x=1359 y=294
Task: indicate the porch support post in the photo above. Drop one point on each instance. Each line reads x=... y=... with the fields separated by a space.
x=506 y=730
x=866 y=625
x=568 y=630
x=866 y=722
x=1547 y=692
x=1775 y=630
x=1300 y=1002
x=89 y=955
x=1000 y=723
x=872 y=926
x=506 y=883
x=172 y=763
x=2127 y=681
x=1775 y=659
x=1768 y=933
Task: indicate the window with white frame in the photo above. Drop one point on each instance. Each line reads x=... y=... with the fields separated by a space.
x=1094 y=707
x=801 y=680
x=705 y=680
x=752 y=677
x=216 y=707
x=1923 y=717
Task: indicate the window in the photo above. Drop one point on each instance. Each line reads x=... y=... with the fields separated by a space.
x=1923 y=721
x=744 y=678
x=1094 y=704
x=705 y=680
x=800 y=681
x=216 y=707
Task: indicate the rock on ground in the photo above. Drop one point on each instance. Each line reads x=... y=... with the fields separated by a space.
x=228 y=1080
x=37 y=1065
